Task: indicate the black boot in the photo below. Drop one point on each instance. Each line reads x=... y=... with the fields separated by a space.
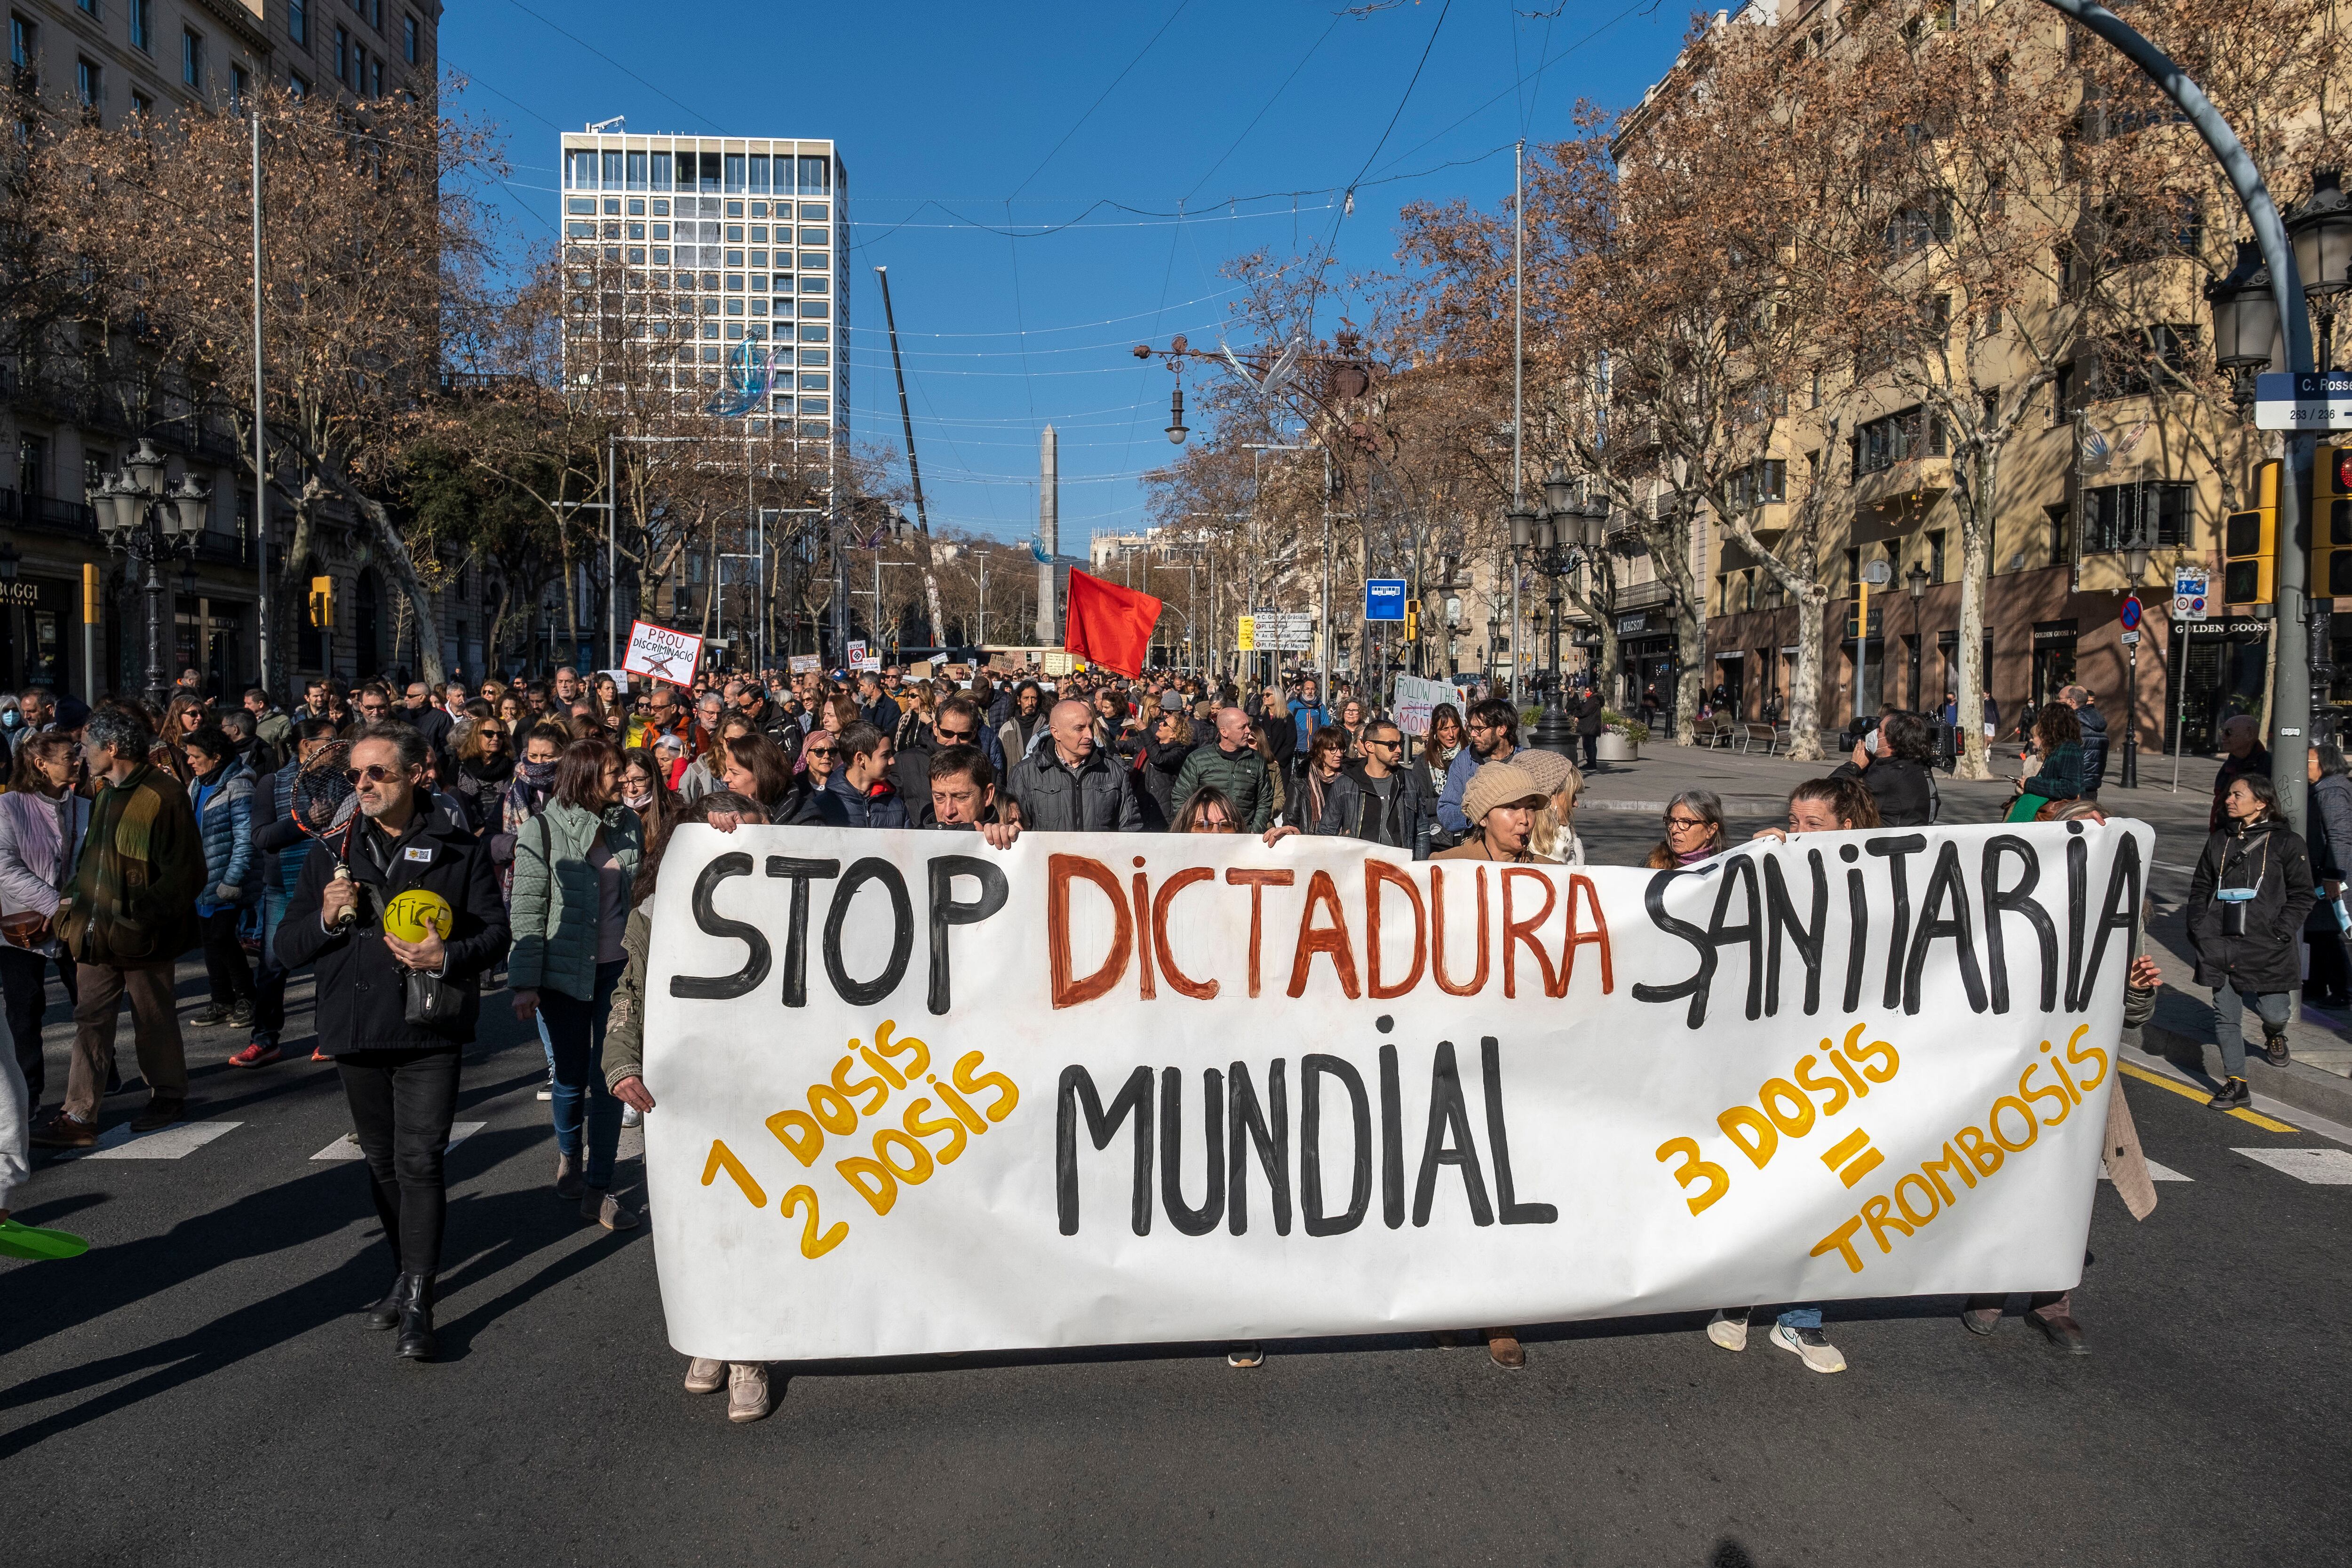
x=384 y=1314
x=415 y=1317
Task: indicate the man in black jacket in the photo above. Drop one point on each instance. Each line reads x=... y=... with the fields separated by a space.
x=955 y=723
x=2094 y=725
x=1379 y=798
x=1068 y=787
x=1587 y=727
x=400 y=1078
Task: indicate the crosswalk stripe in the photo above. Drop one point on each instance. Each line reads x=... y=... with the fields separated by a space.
x=2156 y=1173
x=2320 y=1167
x=176 y=1142
x=347 y=1147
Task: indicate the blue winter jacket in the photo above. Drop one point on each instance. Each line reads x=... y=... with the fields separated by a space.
x=224 y=812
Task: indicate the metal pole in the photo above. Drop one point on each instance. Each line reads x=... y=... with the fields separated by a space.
x=155 y=690
x=1324 y=691
x=2180 y=655
x=611 y=554
x=2291 y=704
x=2131 y=717
x=260 y=448
x=1518 y=375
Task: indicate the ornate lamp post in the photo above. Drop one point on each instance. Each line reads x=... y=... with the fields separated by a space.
x=2321 y=232
x=1561 y=539
x=148 y=524
x=1916 y=581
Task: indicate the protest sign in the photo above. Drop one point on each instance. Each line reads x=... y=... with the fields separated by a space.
x=659 y=653
x=804 y=664
x=1416 y=697
x=917 y=1095
x=855 y=658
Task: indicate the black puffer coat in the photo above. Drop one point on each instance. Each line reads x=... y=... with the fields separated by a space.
x=2271 y=859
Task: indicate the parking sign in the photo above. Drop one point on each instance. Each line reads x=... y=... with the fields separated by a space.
x=1384 y=599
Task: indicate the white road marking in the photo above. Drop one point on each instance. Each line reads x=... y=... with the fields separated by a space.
x=176 y=1142
x=2156 y=1173
x=347 y=1147
x=2320 y=1167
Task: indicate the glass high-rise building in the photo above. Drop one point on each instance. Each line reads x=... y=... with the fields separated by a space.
x=714 y=267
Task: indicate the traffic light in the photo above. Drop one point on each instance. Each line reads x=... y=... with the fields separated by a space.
x=2331 y=500
x=2250 y=544
x=1412 y=620
x=322 y=601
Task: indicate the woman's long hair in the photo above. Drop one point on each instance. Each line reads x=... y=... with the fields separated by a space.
x=641 y=891
x=660 y=815
x=1433 y=750
x=580 y=772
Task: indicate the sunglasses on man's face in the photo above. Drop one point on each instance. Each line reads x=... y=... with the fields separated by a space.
x=956 y=737
x=374 y=773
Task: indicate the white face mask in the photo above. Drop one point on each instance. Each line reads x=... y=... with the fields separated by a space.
x=636 y=802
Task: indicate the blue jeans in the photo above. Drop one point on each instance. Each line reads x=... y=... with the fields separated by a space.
x=1801 y=1317
x=575 y=1040
x=269 y=979
x=2270 y=1005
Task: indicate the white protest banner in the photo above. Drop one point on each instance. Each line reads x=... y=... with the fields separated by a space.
x=804 y=664
x=917 y=1095
x=1416 y=698
x=659 y=653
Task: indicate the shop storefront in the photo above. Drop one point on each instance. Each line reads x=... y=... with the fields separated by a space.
x=1645 y=661
x=2221 y=677
x=40 y=622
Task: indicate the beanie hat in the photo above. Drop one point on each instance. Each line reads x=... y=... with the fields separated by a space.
x=1552 y=770
x=1499 y=784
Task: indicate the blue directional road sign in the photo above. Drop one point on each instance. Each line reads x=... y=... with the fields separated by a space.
x=1384 y=599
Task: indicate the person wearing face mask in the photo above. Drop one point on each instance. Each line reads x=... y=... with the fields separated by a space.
x=573 y=864
x=645 y=791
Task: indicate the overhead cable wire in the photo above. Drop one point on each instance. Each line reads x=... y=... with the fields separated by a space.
x=1098 y=103
x=616 y=65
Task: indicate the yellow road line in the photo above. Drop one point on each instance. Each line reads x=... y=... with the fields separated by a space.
x=2190 y=1091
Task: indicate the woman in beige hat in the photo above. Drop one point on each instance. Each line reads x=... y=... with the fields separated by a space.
x=1502 y=800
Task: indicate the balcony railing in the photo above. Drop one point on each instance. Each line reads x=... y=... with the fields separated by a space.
x=57 y=516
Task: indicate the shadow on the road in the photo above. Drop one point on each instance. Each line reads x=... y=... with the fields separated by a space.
x=503 y=1228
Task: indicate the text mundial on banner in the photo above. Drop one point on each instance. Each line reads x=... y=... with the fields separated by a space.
x=918 y=1095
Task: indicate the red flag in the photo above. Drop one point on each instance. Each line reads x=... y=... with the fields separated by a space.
x=1109 y=624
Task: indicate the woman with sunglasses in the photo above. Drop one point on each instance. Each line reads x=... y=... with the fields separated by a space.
x=486 y=766
x=573 y=864
x=1694 y=831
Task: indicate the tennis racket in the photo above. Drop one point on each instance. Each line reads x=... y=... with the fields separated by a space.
x=325 y=807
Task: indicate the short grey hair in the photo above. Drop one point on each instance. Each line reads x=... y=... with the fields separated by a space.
x=124 y=732
x=405 y=740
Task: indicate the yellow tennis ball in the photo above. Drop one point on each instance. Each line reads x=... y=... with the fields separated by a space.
x=411 y=914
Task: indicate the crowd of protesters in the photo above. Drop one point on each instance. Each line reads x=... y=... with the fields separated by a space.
x=539 y=812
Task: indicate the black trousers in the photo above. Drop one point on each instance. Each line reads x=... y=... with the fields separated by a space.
x=402 y=1104
x=225 y=963
x=23 y=979
x=1592 y=751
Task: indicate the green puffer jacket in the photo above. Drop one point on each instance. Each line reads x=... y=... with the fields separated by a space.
x=1242 y=777
x=625 y=1026
x=554 y=916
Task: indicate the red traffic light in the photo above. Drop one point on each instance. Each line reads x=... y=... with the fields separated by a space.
x=2343 y=456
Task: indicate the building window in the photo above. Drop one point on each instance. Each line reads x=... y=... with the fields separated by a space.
x=88 y=8
x=192 y=58
x=297 y=21
x=1935 y=555
x=409 y=48
x=239 y=84
x=24 y=42
x=89 y=84
x=2143 y=516
x=342 y=55
x=142 y=106
x=1764 y=483
x=374 y=11
x=375 y=78
x=1903 y=434
x=136 y=11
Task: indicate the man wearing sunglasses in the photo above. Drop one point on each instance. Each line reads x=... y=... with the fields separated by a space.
x=1380 y=798
x=955 y=723
x=399 y=1075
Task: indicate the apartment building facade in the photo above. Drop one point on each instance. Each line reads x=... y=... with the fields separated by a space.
x=70 y=413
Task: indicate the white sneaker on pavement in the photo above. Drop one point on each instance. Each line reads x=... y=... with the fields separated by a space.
x=1810 y=1346
x=1728 y=1328
x=631 y=1117
x=747 y=1391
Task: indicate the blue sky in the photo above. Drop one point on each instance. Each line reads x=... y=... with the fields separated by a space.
x=957 y=123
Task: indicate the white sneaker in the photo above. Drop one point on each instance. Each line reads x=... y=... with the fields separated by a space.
x=1808 y=1346
x=631 y=1117
x=1728 y=1328
x=747 y=1391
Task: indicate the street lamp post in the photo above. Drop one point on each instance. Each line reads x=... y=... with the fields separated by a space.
x=2321 y=232
x=1916 y=580
x=148 y=524
x=1562 y=539
x=2135 y=563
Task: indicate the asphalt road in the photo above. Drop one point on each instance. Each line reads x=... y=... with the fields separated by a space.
x=198 y=1390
